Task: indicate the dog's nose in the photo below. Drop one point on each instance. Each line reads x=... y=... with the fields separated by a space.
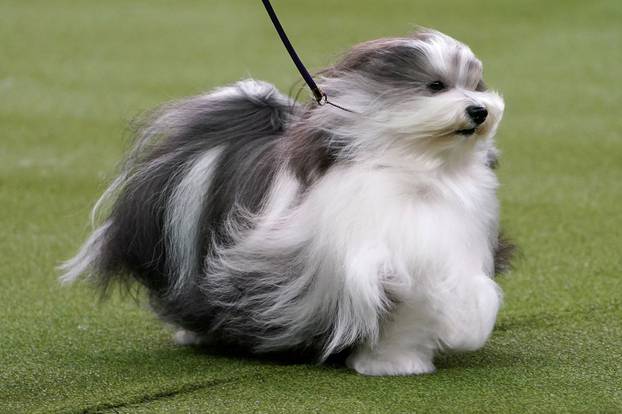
x=477 y=113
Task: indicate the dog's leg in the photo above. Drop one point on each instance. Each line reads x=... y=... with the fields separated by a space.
x=400 y=342
x=469 y=314
x=462 y=319
x=405 y=347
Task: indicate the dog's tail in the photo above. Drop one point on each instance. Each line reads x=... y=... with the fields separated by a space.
x=182 y=139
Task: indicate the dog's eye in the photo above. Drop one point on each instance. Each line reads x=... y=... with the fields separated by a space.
x=437 y=86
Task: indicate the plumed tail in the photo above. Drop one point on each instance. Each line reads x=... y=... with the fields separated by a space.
x=148 y=220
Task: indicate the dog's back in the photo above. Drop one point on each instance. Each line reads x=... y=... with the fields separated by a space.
x=178 y=186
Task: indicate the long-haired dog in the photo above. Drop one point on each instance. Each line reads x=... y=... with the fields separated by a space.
x=257 y=222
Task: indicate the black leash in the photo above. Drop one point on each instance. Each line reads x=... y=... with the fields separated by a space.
x=318 y=94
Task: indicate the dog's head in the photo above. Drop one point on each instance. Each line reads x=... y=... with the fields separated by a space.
x=424 y=91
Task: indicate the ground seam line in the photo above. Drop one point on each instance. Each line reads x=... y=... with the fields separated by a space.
x=162 y=395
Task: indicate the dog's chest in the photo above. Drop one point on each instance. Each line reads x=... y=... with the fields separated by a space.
x=358 y=204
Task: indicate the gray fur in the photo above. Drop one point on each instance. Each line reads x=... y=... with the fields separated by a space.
x=400 y=64
x=245 y=125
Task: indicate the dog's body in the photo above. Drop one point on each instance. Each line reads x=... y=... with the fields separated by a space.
x=261 y=223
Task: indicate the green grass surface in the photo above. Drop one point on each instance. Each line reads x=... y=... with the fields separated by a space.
x=72 y=73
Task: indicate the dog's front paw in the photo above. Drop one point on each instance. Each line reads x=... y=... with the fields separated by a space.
x=397 y=363
x=475 y=320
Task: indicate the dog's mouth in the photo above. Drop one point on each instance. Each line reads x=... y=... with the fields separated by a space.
x=466 y=132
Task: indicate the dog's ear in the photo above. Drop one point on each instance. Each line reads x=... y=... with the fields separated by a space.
x=358 y=56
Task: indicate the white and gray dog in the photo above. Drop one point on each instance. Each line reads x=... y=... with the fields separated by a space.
x=272 y=226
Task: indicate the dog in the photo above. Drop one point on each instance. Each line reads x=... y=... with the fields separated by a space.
x=260 y=223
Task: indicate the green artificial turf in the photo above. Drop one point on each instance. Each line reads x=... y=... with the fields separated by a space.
x=72 y=73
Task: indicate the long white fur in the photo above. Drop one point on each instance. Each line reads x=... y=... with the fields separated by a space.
x=369 y=231
x=183 y=215
x=412 y=216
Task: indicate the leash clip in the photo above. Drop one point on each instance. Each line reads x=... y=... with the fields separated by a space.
x=322 y=100
x=318 y=94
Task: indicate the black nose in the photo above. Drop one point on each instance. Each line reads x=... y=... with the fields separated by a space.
x=477 y=113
